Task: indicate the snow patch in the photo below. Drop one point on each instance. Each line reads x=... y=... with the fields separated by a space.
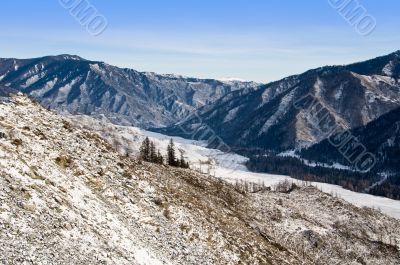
x=63 y=92
x=388 y=69
x=47 y=87
x=339 y=92
x=96 y=68
x=231 y=114
x=283 y=107
x=31 y=80
x=228 y=166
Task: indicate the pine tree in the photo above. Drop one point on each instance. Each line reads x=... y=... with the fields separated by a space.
x=182 y=162
x=160 y=158
x=171 y=158
x=145 y=150
x=153 y=154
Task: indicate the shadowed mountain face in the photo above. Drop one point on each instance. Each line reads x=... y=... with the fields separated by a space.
x=6 y=91
x=125 y=96
x=380 y=137
x=300 y=110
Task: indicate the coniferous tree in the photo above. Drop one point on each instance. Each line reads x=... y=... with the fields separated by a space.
x=153 y=154
x=160 y=158
x=149 y=153
x=182 y=162
x=145 y=150
x=171 y=158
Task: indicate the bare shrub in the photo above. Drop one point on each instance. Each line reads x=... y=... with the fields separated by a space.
x=285 y=186
x=17 y=142
x=63 y=161
x=67 y=125
x=250 y=187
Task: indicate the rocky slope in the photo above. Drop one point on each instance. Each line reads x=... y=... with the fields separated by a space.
x=380 y=137
x=70 y=83
x=68 y=198
x=300 y=110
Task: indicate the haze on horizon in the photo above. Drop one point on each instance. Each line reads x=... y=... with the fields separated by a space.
x=252 y=40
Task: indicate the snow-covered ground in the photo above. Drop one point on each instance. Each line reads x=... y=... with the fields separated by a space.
x=231 y=168
x=228 y=166
x=292 y=153
x=68 y=198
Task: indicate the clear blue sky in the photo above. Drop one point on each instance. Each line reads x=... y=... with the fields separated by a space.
x=255 y=39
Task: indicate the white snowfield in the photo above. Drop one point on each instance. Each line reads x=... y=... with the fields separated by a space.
x=228 y=166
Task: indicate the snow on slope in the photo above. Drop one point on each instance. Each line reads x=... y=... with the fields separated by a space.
x=228 y=166
x=66 y=197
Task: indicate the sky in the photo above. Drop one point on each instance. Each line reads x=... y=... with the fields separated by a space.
x=256 y=40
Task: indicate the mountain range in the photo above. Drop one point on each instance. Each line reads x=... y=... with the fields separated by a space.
x=273 y=117
x=299 y=112
x=243 y=114
x=69 y=83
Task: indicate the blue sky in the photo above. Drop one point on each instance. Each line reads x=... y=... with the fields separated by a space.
x=252 y=40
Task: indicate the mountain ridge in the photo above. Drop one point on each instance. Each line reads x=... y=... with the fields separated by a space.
x=125 y=96
x=268 y=118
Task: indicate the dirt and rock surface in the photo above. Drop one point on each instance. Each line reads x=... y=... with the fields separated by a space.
x=66 y=197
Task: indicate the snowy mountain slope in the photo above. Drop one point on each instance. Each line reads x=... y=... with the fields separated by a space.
x=381 y=138
x=67 y=197
x=5 y=91
x=228 y=166
x=300 y=110
x=70 y=83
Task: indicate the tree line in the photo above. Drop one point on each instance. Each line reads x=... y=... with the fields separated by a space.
x=294 y=167
x=149 y=153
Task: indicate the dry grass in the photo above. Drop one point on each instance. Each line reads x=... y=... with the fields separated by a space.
x=68 y=126
x=17 y=142
x=63 y=161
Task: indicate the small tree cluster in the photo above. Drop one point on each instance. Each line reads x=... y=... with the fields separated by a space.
x=250 y=187
x=172 y=160
x=285 y=186
x=149 y=153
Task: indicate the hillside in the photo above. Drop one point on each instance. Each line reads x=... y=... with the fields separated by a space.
x=67 y=197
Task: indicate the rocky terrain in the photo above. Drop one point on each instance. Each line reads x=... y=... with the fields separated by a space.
x=68 y=198
x=69 y=83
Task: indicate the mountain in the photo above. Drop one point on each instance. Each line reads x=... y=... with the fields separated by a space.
x=300 y=110
x=67 y=197
x=125 y=96
x=380 y=138
x=6 y=91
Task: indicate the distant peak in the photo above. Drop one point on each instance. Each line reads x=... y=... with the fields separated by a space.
x=397 y=53
x=232 y=79
x=70 y=57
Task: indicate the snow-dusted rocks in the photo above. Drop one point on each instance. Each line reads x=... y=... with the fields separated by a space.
x=67 y=198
